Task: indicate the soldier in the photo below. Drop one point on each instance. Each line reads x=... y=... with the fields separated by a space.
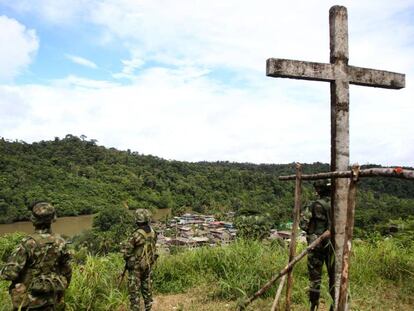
x=39 y=267
x=316 y=219
x=140 y=255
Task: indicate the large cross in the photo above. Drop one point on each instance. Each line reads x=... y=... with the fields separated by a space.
x=340 y=75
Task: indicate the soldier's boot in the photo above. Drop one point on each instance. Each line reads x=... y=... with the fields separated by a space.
x=314 y=307
x=148 y=303
x=134 y=307
x=314 y=299
x=134 y=304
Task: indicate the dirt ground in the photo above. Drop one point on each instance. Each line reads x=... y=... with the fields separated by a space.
x=194 y=301
x=181 y=302
x=198 y=300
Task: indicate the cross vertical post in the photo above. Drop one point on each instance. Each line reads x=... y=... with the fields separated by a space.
x=338 y=31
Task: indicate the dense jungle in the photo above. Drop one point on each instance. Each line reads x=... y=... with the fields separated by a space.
x=81 y=177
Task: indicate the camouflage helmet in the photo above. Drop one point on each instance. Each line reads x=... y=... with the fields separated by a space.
x=43 y=213
x=142 y=215
x=322 y=186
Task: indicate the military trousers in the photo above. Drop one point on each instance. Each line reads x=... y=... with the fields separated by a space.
x=139 y=282
x=23 y=301
x=321 y=255
x=44 y=308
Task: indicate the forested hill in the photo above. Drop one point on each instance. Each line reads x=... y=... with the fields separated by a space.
x=80 y=177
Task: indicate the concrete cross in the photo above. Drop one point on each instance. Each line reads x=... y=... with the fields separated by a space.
x=340 y=75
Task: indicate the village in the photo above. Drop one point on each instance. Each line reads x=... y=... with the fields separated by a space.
x=195 y=230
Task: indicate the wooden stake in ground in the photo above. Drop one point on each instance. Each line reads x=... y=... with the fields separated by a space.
x=340 y=75
x=293 y=236
x=285 y=270
x=278 y=293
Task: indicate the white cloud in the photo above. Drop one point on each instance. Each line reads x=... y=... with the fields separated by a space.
x=236 y=34
x=81 y=61
x=165 y=113
x=158 y=114
x=198 y=90
x=18 y=47
x=240 y=34
x=75 y=82
x=129 y=67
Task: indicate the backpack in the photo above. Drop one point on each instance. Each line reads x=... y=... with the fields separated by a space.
x=148 y=254
x=44 y=266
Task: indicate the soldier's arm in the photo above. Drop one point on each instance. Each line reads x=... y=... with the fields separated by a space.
x=156 y=236
x=156 y=255
x=129 y=247
x=16 y=262
x=305 y=217
x=64 y=263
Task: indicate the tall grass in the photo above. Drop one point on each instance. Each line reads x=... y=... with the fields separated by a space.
x=383 y=272
x=94 y=285
x=382 y=276
x=8 y=243
x=237 y=268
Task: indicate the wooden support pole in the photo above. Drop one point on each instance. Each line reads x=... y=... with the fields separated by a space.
x=343 y=302
x=285 y=270
x=293 y=236
x=396 y=172
x=278 y=293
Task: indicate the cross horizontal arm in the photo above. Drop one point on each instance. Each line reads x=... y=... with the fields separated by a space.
x=376 y=78
x=370 y=172
x=295 y=69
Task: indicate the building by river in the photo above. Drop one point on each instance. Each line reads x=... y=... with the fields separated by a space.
x=194 y=230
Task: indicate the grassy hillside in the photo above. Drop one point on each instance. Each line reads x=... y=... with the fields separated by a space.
x=382 y=278
x=80 y=177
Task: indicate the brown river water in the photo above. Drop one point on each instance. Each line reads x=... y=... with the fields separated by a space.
x=68 y=226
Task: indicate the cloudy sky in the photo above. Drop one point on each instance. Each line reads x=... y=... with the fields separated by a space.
x=185 y=79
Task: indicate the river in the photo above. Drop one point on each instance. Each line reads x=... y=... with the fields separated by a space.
x=68 y=226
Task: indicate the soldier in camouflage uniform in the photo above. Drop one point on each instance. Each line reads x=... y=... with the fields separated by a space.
x=316 y=219
x=39 y=267
x=140 y=255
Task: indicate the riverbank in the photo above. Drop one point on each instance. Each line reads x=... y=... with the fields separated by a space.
x=70 y=225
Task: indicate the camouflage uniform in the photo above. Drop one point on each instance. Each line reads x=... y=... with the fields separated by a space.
x=39 y=267
x=139 y=254
x=316 y=219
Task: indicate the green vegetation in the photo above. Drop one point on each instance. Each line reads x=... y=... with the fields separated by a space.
x=80 y=177
x=382 y=276
x=109 y=229
x=256 y=227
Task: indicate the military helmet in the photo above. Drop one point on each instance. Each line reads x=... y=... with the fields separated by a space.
x=142 y=215
x=43 y=213
x=322 y=186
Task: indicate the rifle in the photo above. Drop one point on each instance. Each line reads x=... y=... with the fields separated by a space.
x=122 y=276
